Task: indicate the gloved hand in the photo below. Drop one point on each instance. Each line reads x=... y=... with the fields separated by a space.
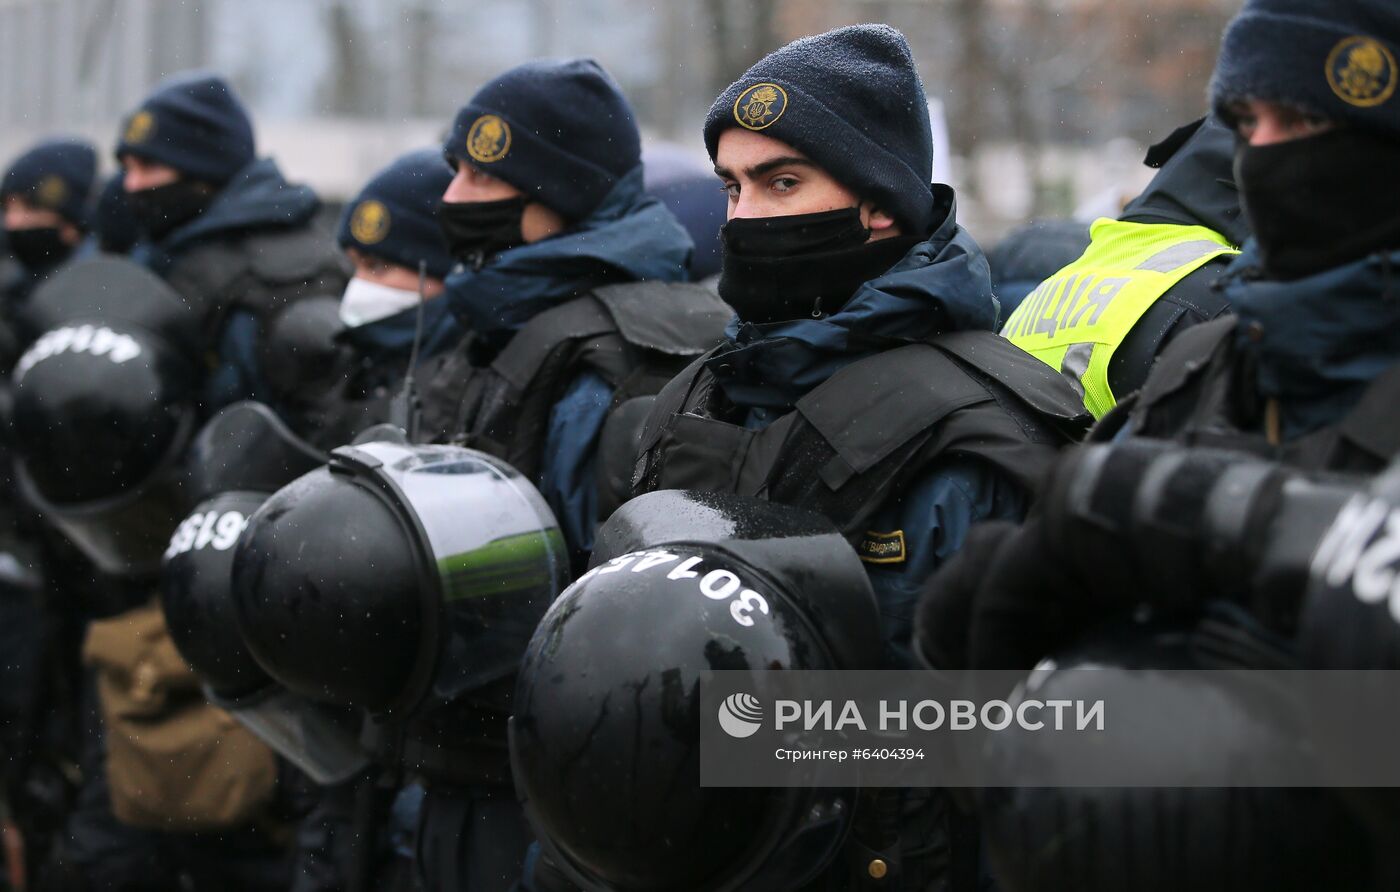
x=1016 y=593
x=1003 y=602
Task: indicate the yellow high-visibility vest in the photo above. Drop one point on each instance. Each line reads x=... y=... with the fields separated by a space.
x=1077 y=318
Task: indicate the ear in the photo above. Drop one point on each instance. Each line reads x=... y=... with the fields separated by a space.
x=880 y=223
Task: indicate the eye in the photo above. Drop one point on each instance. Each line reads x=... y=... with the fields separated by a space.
x=730 y=189
x=1242 y=118
x=784 y=184
x=1314 y=123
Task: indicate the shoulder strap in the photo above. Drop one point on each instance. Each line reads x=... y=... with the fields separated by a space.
x=673 y=399
x=528 y=350
x=1184 y=358
x=677 y=319
x=1027 y=378
x=872 y=407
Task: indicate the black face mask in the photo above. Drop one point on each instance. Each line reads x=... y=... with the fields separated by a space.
x=1320 y=202
x=803 y=265
x=163 y=209
x=475 y=230
x=38 y=250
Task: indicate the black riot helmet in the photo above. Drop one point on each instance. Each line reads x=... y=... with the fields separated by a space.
x=604 y=741
x=104 y=405
x=239 y=458
x=399 y=578
x=1169 y=839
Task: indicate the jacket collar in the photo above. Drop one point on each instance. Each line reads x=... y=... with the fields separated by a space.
x=1316 y=343
x=629 y=237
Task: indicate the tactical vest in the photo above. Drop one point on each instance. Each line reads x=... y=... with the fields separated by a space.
x=1078 y=317
x=260 y=271
x=635 y=336
x=863 y=434
x=1201 y=393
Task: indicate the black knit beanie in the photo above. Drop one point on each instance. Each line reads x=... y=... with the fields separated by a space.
x=559 y=131
x=1336 y=58
x=851 y=101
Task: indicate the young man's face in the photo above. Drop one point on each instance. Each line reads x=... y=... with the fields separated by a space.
x=768 y=178
x=1262 y=123
x=391 y=275
x=471 y=184
x=141 y=174
x=20 y=214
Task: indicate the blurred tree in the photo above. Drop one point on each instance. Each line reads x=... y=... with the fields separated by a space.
x=741 y=33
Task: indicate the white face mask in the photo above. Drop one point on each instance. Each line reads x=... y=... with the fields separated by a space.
x=365 y=301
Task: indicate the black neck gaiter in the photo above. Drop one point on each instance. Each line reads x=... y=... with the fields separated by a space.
x=475 y=230
x=1320 y=202
x=163 y=209
x=805 y=265
x=38 y=250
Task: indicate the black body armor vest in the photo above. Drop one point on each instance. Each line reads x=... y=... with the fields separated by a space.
x=1201 y=394
x=868 y=430
x=635 y=336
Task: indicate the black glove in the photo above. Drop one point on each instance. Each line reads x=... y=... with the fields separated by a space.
x=1004 y=601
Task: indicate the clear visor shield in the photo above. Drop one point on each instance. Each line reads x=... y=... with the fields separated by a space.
x=321 y=740
x=495 y=549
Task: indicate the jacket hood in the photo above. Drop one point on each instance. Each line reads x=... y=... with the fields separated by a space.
x=942 y=285
x=258 y=197
x=1195 y=184
x=630 y=237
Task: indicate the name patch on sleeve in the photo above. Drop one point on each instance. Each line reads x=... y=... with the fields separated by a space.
x=882 y=548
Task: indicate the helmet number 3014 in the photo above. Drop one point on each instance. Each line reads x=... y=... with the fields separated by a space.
x=716 y=584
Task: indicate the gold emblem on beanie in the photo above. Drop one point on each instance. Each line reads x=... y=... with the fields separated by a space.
x=51 y=192
x=489 y=139
x=369 y=224
x=760 y=106
x=140 y=128
x=1361 y=71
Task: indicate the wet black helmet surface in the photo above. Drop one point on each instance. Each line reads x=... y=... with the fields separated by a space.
x=605 y=734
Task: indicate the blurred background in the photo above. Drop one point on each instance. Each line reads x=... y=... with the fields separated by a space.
x=1041 y=107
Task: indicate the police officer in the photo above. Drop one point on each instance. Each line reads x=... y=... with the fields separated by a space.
x=1305 y=371
x=568 y=287
x=861 y=311
x=346 y=364
x=46 y=193
x=1145 y=277
x=860 y=377
x=221 y=225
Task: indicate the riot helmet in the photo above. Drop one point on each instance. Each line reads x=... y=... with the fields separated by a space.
x=104 y=405
x=239 y=458
x=604 y=740
x=1167 y=838
x=401 y=579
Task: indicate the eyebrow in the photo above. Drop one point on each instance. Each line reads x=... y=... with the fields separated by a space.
x=761 y=168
